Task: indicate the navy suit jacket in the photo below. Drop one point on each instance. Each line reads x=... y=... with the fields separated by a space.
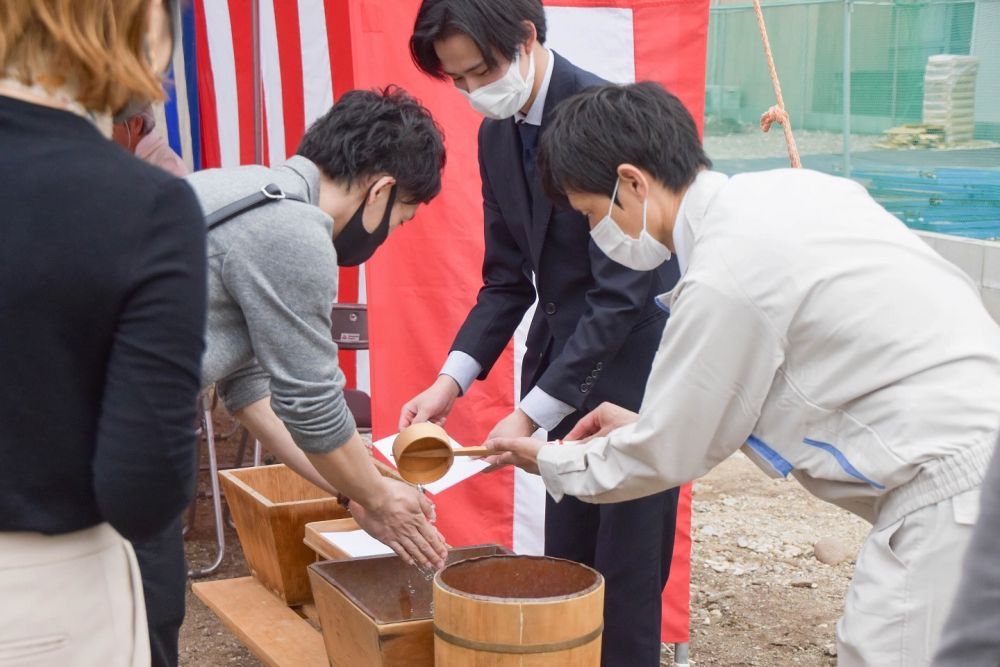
x=596 y=327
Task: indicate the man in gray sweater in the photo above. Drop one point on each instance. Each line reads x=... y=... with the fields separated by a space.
x=361 y=170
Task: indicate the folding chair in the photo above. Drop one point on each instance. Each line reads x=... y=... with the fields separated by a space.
x=349 y=327
x=208 y=401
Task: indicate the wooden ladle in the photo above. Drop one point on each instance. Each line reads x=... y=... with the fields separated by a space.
x=424 y=454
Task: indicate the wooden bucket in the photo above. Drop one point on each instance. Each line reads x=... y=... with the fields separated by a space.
x=271 y=506
x=523 y=611
x=376 y=612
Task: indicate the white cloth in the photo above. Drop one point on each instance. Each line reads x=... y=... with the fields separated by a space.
x=904 y=584
x=813 y=326
x=73 y=599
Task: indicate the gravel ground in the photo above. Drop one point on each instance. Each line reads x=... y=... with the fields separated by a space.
x=752 y=144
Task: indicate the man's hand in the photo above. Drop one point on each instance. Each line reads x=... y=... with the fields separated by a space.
x=401 y=520
x=606 y=418
x=520 y=452
x=515 y=425
x=431 y=405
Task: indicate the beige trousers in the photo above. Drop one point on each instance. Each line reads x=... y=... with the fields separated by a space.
x=904 y=581
x=72 y=599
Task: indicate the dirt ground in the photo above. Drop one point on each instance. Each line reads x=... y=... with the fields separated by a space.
x=759 y=596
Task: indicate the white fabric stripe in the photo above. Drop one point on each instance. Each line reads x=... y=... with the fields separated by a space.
x=529 y=513
x=220 y=50
x=160 y=115
x=183 y=111
x=316 y=72
x=270 y=70
x=598 y=39
x=364 y=368
x=529 y=490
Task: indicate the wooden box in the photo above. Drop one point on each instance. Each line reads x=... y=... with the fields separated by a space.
x=271 y=506
x=376 y=612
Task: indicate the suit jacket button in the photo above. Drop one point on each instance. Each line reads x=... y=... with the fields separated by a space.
x=550 y=308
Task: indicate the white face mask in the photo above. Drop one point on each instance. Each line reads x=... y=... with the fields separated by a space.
x=642 y=254
x=505 y=96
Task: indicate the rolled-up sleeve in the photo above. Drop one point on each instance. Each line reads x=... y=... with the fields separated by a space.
x=710 y=377
x=285 y=285
x=244 y=387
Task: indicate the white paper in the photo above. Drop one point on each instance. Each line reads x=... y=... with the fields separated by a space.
x=356 y=543
x=462 y=469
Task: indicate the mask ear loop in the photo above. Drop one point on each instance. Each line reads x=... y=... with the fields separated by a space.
x=614 y=195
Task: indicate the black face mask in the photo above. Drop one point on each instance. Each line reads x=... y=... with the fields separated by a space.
x=354 y=244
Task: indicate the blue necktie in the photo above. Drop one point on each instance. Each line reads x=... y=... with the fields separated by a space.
x=529 y=145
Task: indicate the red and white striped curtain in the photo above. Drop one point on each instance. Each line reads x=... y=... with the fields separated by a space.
x=422 y=283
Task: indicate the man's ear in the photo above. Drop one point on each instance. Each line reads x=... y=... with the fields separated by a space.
x=633 y=182
x=382 y=185
x=135 y=127
x=529 y=43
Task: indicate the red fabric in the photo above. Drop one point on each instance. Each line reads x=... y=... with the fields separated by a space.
x=241 y=21
x=676 y=625
x=423 y=282
x=210 y=155
x=338 y=38
x=290 y=56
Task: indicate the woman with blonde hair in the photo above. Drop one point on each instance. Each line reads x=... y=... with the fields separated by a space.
x=102 y=306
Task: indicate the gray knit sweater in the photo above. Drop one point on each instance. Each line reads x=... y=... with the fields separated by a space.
x=272 y=278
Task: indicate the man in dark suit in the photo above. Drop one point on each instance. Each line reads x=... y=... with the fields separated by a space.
x=596 y=327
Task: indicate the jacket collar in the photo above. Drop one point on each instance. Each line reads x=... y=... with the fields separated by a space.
x=693 y=209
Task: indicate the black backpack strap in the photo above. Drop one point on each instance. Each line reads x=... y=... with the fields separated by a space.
x=268 y=193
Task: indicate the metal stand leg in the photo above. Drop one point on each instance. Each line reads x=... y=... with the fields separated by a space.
x=213 y=471
x=256 y=452
x=681 y=655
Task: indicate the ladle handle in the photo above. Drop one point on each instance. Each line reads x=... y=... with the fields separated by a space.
x=473 y=451
x=440 y=453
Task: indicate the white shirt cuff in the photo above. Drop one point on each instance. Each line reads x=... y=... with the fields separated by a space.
x=462 y=368
x=557 y=460
x=543 y=409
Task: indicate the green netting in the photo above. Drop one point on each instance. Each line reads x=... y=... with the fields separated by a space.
x=923 y=127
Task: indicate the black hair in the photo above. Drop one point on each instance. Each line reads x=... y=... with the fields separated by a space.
x=374 y=131
x=495 y=26
x=595 y=131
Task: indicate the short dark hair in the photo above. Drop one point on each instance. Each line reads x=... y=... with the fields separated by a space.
x=373 y=131
x=594 y=132
x=493 y=25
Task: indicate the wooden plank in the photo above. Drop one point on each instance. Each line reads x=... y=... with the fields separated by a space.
x=274 y=633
